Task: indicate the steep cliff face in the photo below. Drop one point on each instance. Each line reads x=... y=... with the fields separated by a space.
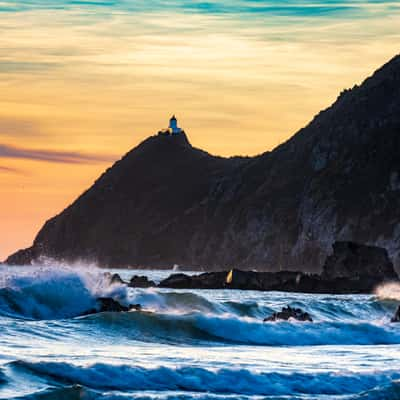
x=166 y=202
x=336 y=179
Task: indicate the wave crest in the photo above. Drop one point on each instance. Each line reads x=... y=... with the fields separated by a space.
x=46 y=293
x=193 y=379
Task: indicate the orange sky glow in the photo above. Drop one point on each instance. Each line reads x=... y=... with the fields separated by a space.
x=79 y=89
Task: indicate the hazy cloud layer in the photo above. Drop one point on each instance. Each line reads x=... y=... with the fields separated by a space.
x=68 y=157
x=19 y=128
x=4 y=169
x=25 y=66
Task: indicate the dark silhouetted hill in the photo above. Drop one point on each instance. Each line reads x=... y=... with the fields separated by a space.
x=168 y=203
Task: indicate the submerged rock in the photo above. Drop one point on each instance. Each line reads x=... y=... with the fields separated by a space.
x=141 y=282
x=289 y=312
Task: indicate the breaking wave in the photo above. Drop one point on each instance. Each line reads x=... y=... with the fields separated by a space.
x=42 y=307
x=46 y=293
x=196 y=327
x=187 y=317
x=106 y=377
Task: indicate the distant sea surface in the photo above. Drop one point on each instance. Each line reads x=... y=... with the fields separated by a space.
x=188 y=344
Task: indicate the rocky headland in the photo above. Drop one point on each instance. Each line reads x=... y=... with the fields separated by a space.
x=166 y=202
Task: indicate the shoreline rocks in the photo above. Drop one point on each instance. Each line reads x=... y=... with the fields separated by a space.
x=141 y=282
x=108 y=304
x=353 y=260
x=114 y=278
x=351 y=268
x=287 y=313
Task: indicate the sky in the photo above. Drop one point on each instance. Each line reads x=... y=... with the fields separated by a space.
x=82 y=82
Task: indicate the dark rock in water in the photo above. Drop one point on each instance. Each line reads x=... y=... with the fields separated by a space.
x=141 y=282
x=353 y=281
x=114 y=278
x=108 y=304
x=357 y=261
x=207 y=280
x=167 y=203
x=177 y=281
x=251 y=280
x=244 y=280
x=396 y=317
x=289 y=312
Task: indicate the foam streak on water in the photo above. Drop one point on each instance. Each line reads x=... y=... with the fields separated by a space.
x=189 y=344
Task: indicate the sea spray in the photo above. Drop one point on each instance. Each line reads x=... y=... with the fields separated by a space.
x=170 y=316
x=53 y=293
x=388 y=291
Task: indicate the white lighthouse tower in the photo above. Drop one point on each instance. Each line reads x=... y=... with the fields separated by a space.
x=173 y=126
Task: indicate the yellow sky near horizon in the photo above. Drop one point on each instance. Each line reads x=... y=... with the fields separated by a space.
x=78 y=92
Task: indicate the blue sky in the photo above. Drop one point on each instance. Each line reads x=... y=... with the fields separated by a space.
x=241 y=9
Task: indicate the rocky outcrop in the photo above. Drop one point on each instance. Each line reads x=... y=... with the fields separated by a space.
x=141 y=282
x=289 y=313
x=166 y=203
x=351 y=268
x=207 y=280
x=243 y=280
x=356 y=261
x=114 y=278
x=286 y=281
x=108 y=304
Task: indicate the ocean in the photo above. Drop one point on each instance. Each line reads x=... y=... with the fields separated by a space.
x=188 y=344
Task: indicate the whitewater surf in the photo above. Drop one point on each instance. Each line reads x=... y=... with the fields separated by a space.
x=189 y=344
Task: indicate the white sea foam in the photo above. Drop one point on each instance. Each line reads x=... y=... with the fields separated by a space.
x=388 y=291
x=179 y=329
x=186 y=317
x=53 y=292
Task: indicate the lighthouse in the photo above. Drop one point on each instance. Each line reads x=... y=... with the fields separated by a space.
x=173 y=126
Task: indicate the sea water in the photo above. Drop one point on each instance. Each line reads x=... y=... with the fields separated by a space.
x=189 y=344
